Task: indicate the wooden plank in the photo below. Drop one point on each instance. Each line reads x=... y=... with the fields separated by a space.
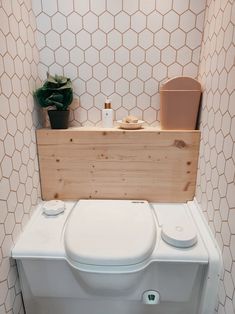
x=159 y=166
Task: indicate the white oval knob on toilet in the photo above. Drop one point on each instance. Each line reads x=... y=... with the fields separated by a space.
x=53 y=207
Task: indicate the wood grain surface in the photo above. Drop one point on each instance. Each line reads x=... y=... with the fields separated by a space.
x=150 y=164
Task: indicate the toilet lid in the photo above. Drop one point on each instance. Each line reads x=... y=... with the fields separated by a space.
x=110 y=232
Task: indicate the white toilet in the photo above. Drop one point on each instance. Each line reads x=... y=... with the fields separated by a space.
x=114 y=256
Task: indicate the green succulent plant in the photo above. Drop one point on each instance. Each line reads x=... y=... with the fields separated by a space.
x=57 y=91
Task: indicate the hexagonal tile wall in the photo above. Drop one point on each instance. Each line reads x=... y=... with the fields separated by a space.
x=19 y=179
x=122 y=49
x=216 y=174
x=129 y=47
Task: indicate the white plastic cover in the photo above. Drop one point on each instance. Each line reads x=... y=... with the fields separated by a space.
x=179 y=235
x=110 y=232
x=53 y=207
x=178 y=228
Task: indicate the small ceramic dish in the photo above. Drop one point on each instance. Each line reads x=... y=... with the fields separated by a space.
x=130 y=126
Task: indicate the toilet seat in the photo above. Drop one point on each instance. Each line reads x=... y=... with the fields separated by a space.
x=110 y=233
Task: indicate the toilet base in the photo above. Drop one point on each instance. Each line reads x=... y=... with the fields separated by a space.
x=59 y=291
x=74 y=306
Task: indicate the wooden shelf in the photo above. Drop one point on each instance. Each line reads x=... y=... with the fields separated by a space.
x=114 y=129
x=152 y=164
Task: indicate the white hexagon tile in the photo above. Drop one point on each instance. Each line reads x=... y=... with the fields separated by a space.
x=19 y=179
x=216 y=173
x=129 y=47
x=123 y=49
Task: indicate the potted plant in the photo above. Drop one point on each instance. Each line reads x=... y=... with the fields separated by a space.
x=56 y=92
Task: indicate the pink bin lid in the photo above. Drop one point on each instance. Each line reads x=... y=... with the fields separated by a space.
x=110 y=232
x=181 y=83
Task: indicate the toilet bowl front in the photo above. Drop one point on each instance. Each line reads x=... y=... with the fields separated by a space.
x=103 y=238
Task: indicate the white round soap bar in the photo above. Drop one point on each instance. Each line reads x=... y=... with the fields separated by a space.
x=54 y=207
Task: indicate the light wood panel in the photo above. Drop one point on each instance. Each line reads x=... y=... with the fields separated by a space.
x=159 y=166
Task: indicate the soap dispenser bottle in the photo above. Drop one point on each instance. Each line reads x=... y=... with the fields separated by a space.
x=107 y=114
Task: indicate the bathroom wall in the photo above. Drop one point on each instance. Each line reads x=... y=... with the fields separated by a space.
x=216 y=180
x=19 y=180
x=122 y=49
